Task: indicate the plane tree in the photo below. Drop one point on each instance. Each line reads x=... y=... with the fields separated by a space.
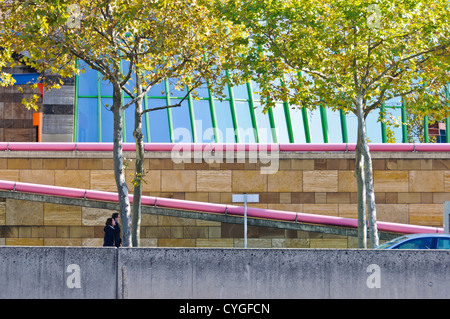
x=348 y=55
x=134 y=45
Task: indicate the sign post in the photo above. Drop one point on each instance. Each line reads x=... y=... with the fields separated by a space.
x=246 y=198
x=446 y=217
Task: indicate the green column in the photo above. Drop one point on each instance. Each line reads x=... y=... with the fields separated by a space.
x=99 y=107
x=425 y=129
x=343 y=119
x=404 y=127
x=147 y=122
x=447 y=120
x=169 y=111
x=383 y=124
x=75 y=106
x=305 y=120
x=124 y=123
x=192 y=118
x=212 y=110
x=306 y=125
x=323 y=117
x=252 y=111
x=287 y=115
x=272 y=126
x=233 y=113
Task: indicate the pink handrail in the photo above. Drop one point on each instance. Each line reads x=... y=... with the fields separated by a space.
x=213 y=208
x=168 y=147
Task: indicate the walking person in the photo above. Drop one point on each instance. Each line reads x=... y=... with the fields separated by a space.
x=108 y=240
x=117 y=238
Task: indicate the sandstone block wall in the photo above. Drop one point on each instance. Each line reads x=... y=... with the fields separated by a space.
x=410 y=188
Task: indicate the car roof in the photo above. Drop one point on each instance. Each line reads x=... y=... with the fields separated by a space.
x=427 y=235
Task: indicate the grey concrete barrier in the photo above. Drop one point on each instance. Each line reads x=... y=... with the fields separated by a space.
x=284 y=273
x=59 y=272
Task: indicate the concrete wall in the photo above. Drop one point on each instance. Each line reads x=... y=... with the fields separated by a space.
x=50 y=272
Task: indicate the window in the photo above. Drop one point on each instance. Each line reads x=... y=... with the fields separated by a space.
x=417 y=243
x=443 y=243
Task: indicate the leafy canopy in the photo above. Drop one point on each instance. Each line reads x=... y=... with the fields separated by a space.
x=162 y=39
x=330 y=52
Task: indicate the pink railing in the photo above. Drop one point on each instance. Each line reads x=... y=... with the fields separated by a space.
x=213 y=208
x=167 y=147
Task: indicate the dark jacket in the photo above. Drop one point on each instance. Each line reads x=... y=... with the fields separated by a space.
x=109 y=236
x=117 y=238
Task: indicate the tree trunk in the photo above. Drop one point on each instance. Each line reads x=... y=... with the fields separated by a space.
x=139 y=170
x=360 y=182
x=360 y=176
x=364 y=175
x=370 y=193
x=119 y=173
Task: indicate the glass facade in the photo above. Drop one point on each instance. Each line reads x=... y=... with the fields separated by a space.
x=236 y=119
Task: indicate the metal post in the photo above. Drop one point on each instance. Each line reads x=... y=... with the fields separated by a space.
x=245 y=220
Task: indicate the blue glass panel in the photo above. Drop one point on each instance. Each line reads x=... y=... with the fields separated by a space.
x=87 y=82
x=334 y=126
x=158 y=122
x=240 y=92
x=264 y=129
x=297 y=125
x=203 y=122
x=107 y=120
x=352 y=127
x=182 y=123
x=280 y=123
x=129 y=122
x=87 y=120
x=397 y=114
x=106 y=88
x=315 y=124
x=373 y=127
x=244 y=122
x=224 y=122
x=157 y=90
x=255 y=90
x=202 y=91
x=130 y=85
x=176 y=92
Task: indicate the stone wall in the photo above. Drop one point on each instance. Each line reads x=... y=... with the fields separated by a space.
x=410 y=188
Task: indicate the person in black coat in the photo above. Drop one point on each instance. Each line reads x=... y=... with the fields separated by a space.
x=117 y=239
x=109 y=233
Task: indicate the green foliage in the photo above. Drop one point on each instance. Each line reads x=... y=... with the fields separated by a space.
x=344 y=49
x=161 y=39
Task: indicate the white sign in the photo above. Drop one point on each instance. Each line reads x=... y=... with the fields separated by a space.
x=251 y=198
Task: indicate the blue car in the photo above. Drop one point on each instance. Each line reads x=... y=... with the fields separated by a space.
x=418 y=241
